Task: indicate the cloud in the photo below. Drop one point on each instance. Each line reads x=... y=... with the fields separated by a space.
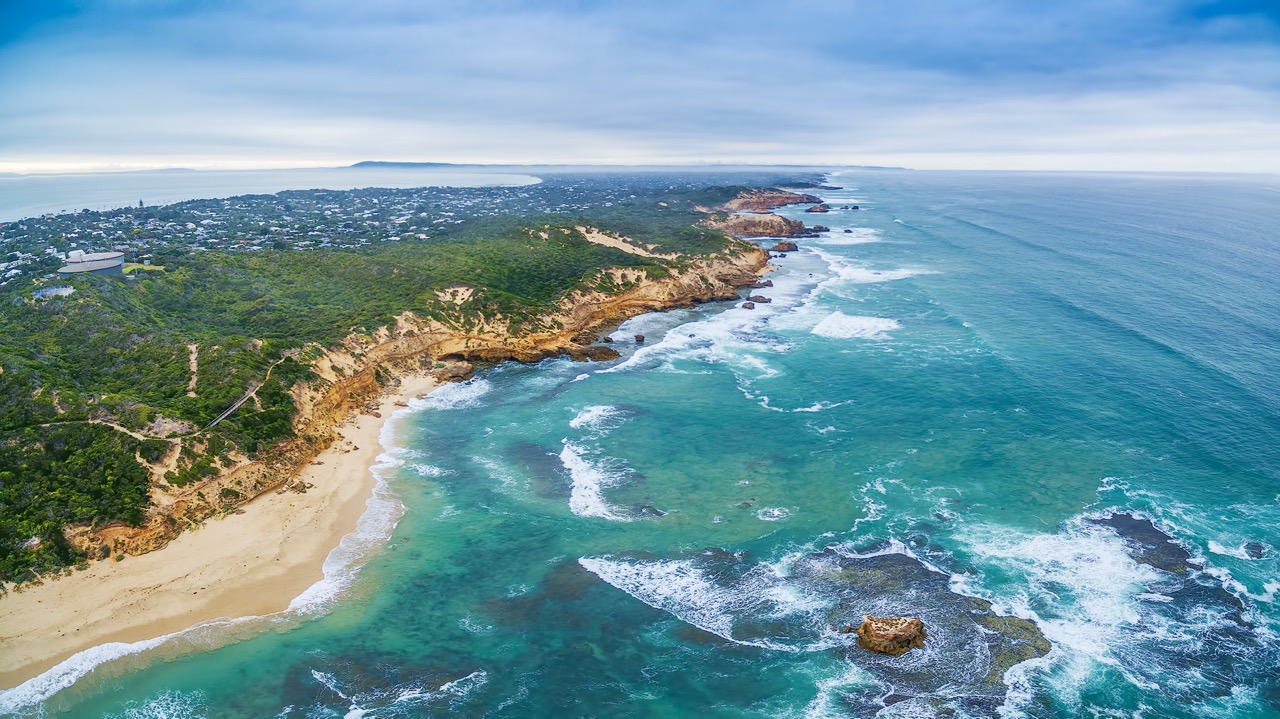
x=1135 y=84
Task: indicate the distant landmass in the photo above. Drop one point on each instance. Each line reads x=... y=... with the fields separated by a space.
x=380 y=164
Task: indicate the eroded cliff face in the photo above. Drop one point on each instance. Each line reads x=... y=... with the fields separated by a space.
x=766 y=225
x=351 y=378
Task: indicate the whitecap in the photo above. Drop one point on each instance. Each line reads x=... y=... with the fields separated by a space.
x=166 y=705
x=841 y=326
x=773 y=514
x=598 y=419
x=590 y=478
x=680 y=588
x=454 y=395
x=430 y=470
x=858 y=236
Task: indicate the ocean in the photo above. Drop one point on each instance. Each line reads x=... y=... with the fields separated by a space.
x=23 y=196
x=1056 y=393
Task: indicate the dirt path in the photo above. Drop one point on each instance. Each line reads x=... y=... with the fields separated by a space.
x=193 y=361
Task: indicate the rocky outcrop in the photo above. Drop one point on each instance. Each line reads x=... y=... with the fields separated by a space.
x=765 y=200
x=748 y=305
x=785 y=246
x=894 y=636
x=820 y=207
x=356 y=373
x=759 y=298
x=766 y=225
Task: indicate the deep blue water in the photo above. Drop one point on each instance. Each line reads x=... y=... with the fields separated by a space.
x=978 y=375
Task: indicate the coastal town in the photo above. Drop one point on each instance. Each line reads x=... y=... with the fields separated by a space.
x=33 y=249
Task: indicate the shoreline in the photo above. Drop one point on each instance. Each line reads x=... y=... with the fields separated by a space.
x=255 y=565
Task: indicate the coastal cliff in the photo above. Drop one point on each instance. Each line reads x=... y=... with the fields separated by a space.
x=760 y=201
x=765 y=225
x=350 y=377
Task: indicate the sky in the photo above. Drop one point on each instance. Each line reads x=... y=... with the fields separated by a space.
x=1142 y=85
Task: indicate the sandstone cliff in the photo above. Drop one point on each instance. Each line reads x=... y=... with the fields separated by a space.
x=765 y=200
x=766 y=225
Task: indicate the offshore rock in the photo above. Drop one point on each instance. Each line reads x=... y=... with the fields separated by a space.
x=894 y=636
x=820 y=207
x=748 y=305
x=760 y=298
x=819 y=228
x=639 y=339
x=785 y=246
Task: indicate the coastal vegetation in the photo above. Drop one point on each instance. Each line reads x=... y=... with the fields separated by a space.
x=123 y=389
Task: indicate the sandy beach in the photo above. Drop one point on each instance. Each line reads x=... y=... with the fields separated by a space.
x=249 y=564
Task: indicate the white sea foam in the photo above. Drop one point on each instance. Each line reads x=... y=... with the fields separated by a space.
x=499 y=472
x=375 y=703
x=846 y=270
x=598 y=419
x=738 y=338
x=36 y=690
x=841 y=326
x=166 y=705
x=822 y=406
x=429 y=470
x=679 y=588
x=590 y=478
x=1238 y=552
x=773 y=514
x=454 y=395
x=827 y=704
x=858 y=236
x=1093 y=601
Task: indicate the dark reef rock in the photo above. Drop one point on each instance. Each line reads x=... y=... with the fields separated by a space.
x=894 y=636
x=1216 y=642
x=761 y=285
x=785 y=246
x=819 y=228
x=848 y=232
x=820 y=207
x=748 y=305
x=1149 y=545
x=760 y=299
x=639 y=339
x=1255 y=550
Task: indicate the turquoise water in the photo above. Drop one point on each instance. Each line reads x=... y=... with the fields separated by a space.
x=980 y=370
